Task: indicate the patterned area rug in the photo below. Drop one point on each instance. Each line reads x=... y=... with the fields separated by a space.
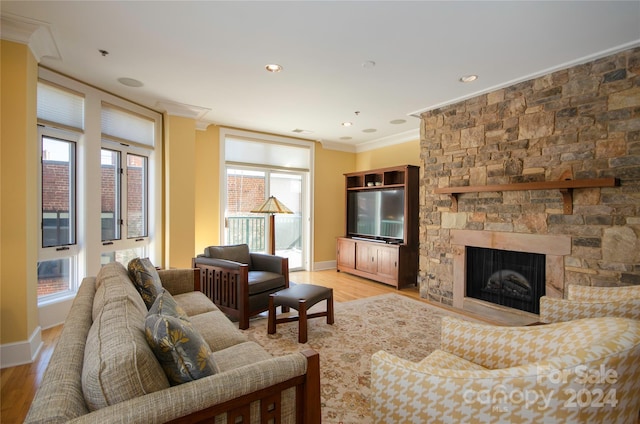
x=405 y=327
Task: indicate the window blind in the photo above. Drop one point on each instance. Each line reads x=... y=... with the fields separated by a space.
x=122 y=126
x=60 y=106
x=254 y=152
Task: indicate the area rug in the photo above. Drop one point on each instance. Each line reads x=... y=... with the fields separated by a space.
x=397 y=324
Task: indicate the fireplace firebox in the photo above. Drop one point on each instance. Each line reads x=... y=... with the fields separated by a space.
x=507 y=278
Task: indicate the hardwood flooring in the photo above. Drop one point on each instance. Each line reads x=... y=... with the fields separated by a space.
x=20 y=383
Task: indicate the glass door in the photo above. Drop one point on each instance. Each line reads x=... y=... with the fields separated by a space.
x=246 y=189
x=287 y=188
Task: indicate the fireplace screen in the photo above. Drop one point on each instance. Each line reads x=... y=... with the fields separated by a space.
x=507 y=278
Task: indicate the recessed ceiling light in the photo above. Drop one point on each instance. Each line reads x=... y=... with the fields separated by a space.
x=398 y=121
x=347 y=124
x=130 y=82
x=369 y=130
x=345 y=138
x=468 y=78
x=273 y=67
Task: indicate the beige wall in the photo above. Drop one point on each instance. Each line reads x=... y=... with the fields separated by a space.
x=179 y=153
x=207 y=166
x=18 y=195
x=329 y=200
x=399 y=154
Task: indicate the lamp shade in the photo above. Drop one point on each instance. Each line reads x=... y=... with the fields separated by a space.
x=271 y=205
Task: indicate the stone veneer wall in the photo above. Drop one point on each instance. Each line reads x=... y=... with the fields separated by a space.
x=582 y=122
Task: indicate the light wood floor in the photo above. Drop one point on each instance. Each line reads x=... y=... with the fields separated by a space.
x=20 y=383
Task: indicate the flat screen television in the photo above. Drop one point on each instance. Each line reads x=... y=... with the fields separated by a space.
x=376 y=214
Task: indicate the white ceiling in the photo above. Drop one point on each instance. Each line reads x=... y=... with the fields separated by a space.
x=210 y=56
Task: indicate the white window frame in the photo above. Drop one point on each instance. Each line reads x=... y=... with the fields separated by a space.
x=125 y=242
x=67 y=251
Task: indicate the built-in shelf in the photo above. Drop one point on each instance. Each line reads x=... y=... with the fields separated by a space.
x=565 y=186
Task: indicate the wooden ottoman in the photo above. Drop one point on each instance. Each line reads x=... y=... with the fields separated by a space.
x=300 y=297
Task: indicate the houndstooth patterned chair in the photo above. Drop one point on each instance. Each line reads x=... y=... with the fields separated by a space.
x=572 y=372
x=592 y=302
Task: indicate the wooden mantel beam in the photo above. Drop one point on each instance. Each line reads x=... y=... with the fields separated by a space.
x=565 y=186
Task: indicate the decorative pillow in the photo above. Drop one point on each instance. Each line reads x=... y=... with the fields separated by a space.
x=146 y=279
x=165 y=304
x=180 y=349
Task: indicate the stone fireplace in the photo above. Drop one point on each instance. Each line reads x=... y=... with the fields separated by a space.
x=575 y=124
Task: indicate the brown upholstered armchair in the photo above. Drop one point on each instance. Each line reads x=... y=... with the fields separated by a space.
x=239 y=282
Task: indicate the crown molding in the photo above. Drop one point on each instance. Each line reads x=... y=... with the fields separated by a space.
x=203 y=125
x=341 y=147
x=183 y=110
x=595 y=56
x=391 y=140
x=36 y=34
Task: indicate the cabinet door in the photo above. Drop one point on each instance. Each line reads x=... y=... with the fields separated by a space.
x=366 y=258
x=346 y=253
x=387 y=262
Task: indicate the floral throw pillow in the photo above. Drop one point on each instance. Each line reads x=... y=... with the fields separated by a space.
x=146 y=279
x=165 y=304
x=182 y=352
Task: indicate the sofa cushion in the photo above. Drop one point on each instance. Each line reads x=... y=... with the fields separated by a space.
x=235 y=253
x=113 y=282
x=217 y=330
x=239 y=355
x=194 y=303
x=118 y=363
x=165 y=304
x=183 y=354
x=145 y=278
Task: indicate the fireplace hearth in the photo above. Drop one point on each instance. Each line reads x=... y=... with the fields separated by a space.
x=512 y=279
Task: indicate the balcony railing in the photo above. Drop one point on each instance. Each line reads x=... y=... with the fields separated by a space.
x=251 y=230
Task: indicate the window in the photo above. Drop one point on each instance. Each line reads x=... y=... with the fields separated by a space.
x=58 y=236
x=249 y=187
x=113 y=197
x=127 y=142
x=137 y=187
x=100 y=183
x=110 y=194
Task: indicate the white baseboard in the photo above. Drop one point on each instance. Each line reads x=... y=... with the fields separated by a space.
x=322 y=266
x=20 y=353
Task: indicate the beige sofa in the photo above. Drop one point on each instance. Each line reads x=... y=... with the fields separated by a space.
x=103 y=370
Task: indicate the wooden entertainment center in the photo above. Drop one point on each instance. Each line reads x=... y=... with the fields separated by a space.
x=381 y=235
